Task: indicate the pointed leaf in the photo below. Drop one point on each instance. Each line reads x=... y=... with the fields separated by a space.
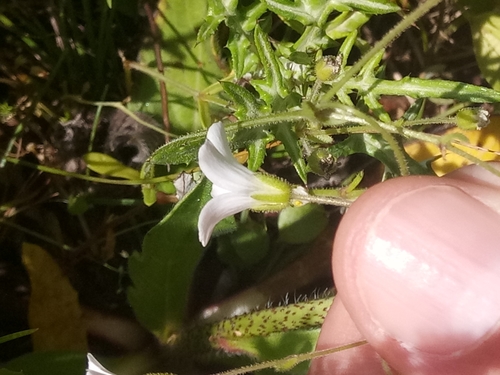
x=274 y=84
x=247 y=104
x=286 y=135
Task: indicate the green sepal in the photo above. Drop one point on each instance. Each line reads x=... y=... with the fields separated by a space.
x=278 y=196
x=150 y=171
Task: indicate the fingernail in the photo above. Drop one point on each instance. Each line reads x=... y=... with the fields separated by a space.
x=430 y=275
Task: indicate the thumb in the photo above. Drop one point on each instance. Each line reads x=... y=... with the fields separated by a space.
x=417 y=266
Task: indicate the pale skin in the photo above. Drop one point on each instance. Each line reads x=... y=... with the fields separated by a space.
x=416 y=262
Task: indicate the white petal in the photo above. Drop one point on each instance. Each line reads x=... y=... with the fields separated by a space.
x=226 y=172
x=219 y=208
x=217 y=190
x=95 y=368
x=217 y=135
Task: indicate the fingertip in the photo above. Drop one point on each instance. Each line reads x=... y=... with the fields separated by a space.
x=339 y=330
x=414 y=261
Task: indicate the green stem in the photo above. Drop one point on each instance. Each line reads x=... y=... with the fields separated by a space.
x=275 y=118
x=34 y=234
x=321 y=199
x=290 y=361
x=121 y=107
x=381 y=44
x=428 y=121
x=351 y=114
x=473 y=159
x=101 y=180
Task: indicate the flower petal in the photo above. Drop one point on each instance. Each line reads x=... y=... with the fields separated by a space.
x=226 y=172
x=219 y=208
x=95 y=368
x=217 y=135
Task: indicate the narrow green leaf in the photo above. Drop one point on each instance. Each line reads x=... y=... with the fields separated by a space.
x=425 y=88
x=367 y=6
x=243 y=56
x=161 y=274
x=208 y=27
x=274 y=84
x=289 y=139
x=247 y=104
x=215 y=15
x=309 y=12
x=109 y=166
x=345 y=24
x=300 y=11
x=256 y=154
x=184 y=150
x=16 y=335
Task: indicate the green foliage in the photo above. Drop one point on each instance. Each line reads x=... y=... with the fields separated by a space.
x=16 y=335
x=4 y=371
x=81 y=60
x=261 y=335
x=47 y=363
x=162 y=272
x=191 y=64
x=485 y=28
x=109 y=166
x=301 y=224
x=282 y=76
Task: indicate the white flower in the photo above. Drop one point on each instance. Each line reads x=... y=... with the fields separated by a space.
x=95 y=368
x=234 y=187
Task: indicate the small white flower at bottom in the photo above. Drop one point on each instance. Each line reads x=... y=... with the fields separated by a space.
x=95 y=368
